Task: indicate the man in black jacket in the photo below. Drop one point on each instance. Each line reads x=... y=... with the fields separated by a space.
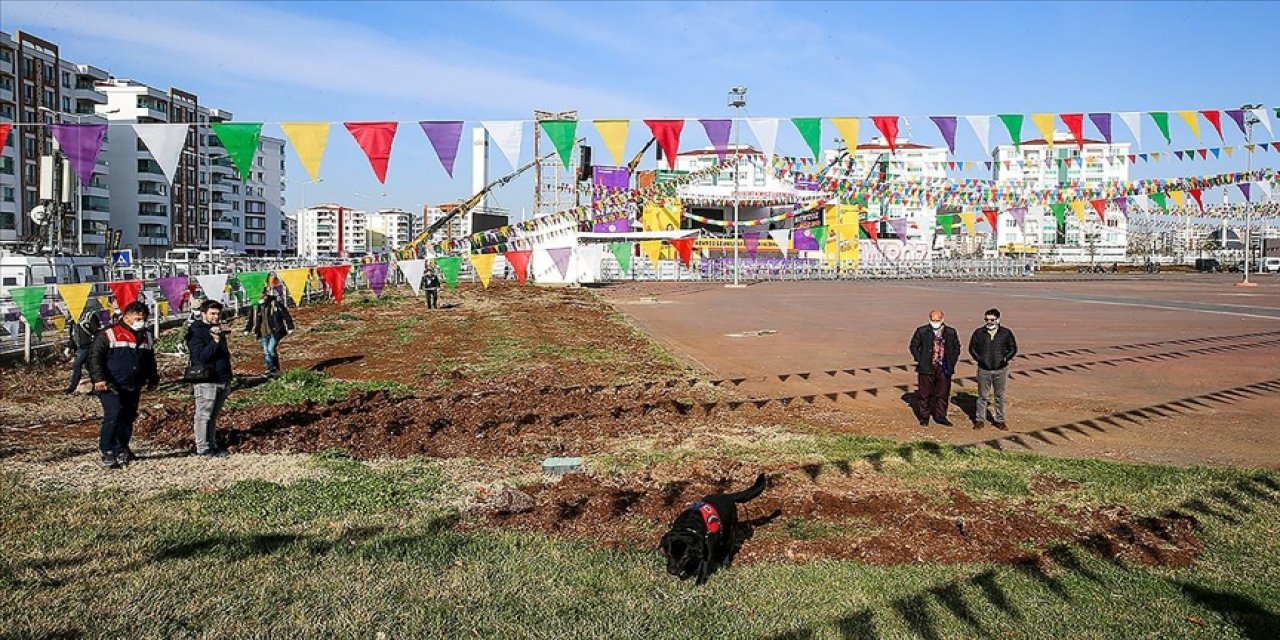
x=270 y=322
x=992 y=347
x=431 y=285
x=207 y=343
x=936 y=349
x=81 y=338
x=121 y=361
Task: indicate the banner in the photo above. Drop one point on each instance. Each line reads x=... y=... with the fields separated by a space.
x=888 y=126
x=848 y=128
x=1102 y=122
x=335 y=279
x=376 y=274
x=622 y=253
x=375 y=140
x=947 y=127
x=29 y=300
x=1013 y=123
x=81 y=143
x=652 y=249
x=165 y=142
x=684 y=249
x=811 y=130
x=483 y=264
x=173 y=288
x=981 y=126
x=1044 y=124
x=766 y=132
x=508 y=135
x=75 y=295
x=562 y=134
x=295 y=282
x=611 y=180
x=782 y=238
x=214 y=286
x=309 y=140
x=662 y=215
x=253 y=283
x=752 y=242
x=240 y=139
x=718 y=135
x=614 y=134
x=444 y=136
x=560 y=256
x=667 y=133
x=519 y=261
x=449 y=267
x=125 y=291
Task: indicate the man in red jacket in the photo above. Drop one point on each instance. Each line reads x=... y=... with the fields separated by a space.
x=121 y=361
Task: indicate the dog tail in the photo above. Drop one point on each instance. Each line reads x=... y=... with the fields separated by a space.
x=751 y=492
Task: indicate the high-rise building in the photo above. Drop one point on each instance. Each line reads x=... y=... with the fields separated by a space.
x=389 y=229
x=323 y=229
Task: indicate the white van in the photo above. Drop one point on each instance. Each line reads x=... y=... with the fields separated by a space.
x=1270 y=265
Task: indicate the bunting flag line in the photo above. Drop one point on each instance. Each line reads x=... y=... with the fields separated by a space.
x=519 y=261
x=752 y=243
x=240 y=139
x=81 y=143
x=444 y=136
x=614 y=135
x=309 y=140
x=165 y=142
x=562 y=134
x=76 y=296
x=1215 y=119
x=412 y=271
x=507 y=135
x=652 y=249
x=1133 y=120
x=375 y=139
x=667 y=132
x=295 y=282
x=718 y=134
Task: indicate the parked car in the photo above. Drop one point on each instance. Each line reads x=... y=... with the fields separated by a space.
x=1208 y=265
x=1271 y=265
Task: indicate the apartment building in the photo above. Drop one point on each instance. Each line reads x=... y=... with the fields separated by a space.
x=332 y=231
x=389 y=229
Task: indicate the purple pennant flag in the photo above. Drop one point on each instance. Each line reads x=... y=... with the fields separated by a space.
x=173 y=288
x=947 y=125
x=718 y=134
x=900 y=225
x=1122 y=204
x=81 y=143
x=1237 y=116
x=803 y=240
x=752 y=240
x=1103 y=122
x=560 y=256
x=376 y=274
x=444 y=136
x=1019 y=215
x=1244 y=190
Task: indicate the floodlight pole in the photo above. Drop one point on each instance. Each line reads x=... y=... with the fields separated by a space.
x=1250 y=120
x=737 y=100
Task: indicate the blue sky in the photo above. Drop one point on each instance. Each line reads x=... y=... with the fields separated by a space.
x=282 y=61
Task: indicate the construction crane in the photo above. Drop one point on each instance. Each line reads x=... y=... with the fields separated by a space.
x=635 y=162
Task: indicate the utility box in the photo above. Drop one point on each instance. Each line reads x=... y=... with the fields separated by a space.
x=561 y=466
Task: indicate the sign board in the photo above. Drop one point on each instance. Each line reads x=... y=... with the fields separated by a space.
x=122 y=258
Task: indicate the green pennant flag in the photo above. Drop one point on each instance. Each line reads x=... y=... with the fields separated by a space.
x=240 y=139
x=946 y=221
x=820 y=234
x=811 y=130
x=252 y=282
x=1160 y=199
x=1013 y=122
x=449 y=267
x=1161 y=119
x=562 y=134
x=1060 y=212
x=622 y=251
x=28 y=300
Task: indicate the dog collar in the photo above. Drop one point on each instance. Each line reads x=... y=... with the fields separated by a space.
x=710 y=517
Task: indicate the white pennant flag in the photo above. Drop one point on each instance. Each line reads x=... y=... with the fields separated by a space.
x=508 y=135
x=1133 y=120
x=981 y=126
x=1265 y=187
x=766 y=132
x=1261 y=114
x=782 y=238
x=214 y=285
x=165 y=142
x=1143 y=201
x=412 y=270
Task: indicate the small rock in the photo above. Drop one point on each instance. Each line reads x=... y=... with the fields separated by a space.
x=512 y=501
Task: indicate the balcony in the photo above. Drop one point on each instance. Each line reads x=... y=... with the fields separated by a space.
x=6 y=95
x=89 y=95
x=153 y=241
x=151 y=211
x=150 y=167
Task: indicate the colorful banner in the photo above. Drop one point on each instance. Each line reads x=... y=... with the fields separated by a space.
x=947 y=127
x=29 y=300
x=560 y=256
x=718 y=135
x=240 y=139
x=483 y=264
x=81 y=143
x=652 y=249
x=76 y=296
x=253 y=283
x=888 y=127
x=562 y=134
x=173 y=288
x=667 y=133
x=622 y=253
x=295 y=282
x=444 y=136
x=449 y=267
x=335 y=279
x=519 y=261
x=811 y=130
x=848 y=128
x=376 y=274
x=609 y=180
x=614 y=134
x=125 y=292
x=165 y=142
x=375 y=139
x=309 y=140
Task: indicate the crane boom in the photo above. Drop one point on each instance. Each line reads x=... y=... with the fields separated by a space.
x=635 y=162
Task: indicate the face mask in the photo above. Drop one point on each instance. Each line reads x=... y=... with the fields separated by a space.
x=139 y=325
x=935 y=325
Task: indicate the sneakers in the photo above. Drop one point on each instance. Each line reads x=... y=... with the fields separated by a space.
x=213 y=453
x=1001 y=426
x=126 y=456
x=109 y=461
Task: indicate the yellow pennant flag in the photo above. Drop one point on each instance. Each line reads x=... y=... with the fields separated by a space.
x=483 y=263
x=968 y=220
x=309 y=140
x=1193 y=122
x=653 y=249
x=75 y=295
x=614 y=134
x=1178 y=197
x=162 y=307
x=848 y=128
x=1230 y=151
x=1078 y=207
x=1044 y=122
x=1156 y=157
x=105 y=302
x=295 y=281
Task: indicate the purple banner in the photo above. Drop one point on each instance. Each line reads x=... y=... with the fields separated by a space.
x=806 y=184
x=610 y=180
x=718 y=134
x=947 y=126
x=376 y=274
x=752 y=240
x=444 y=136
x=803 y=240
x=1103 y=122
x=81 y=143
x=173 y=289
x=1020 y=216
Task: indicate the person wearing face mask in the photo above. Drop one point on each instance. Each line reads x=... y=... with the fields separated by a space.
x=122 y=361
x=936 y=349
x=992 y=347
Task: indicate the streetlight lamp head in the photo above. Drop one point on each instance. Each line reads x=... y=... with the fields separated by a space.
x=738 y=97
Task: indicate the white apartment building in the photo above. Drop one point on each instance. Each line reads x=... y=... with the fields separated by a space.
x=389 y=229
x=909 y=161
x=322 y=229
x=1037 y=165
x=712 y=196
x=291 y=233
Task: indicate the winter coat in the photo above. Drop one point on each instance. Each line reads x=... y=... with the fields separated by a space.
x=992 y=353
x=207 y=353
x=269 y=319
x=123 y=358
x=922 y=349
x=81 y=334
x=431 y=282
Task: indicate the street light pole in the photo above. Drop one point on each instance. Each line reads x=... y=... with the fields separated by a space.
x=1250 y=120
x=737 y=100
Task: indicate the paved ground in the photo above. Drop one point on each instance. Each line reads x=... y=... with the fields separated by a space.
x=1178 y=369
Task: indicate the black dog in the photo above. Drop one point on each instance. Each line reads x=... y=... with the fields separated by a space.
x=702 y=536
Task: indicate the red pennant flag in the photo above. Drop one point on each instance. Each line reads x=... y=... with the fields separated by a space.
x=1215 y=119
x=870 y=228
x=888 y=126
x=1133 y=158
x=4 y=133
x=992 y=217
x=1075 y=124
x=684 y=249
x=335 y=278
x=125 y=291
x=667 y=133
x=1101 y=207
x=1195 y=195
x=1204 y=154
x=375 y=139
x=519 y=260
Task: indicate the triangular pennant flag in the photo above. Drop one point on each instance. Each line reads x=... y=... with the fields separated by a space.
x=947 y=127
x=1237 y=116
x=622 y=253
x=508 y=135
x=560 y=257
x=718 y=134
x=1193 y=122
x=888 y=127
x=766 y=133
x=214 y=286
x=449 y=267
x=483 y=264
x=848 y=128
x=125 y=291
x=519 y=261
x=1197 y=195
x=562 y=134
x=752 y=242
x=29 y=300
x=412 y=271
x=1161 y=118
x=969 y=219
x=1160 y=201
x=375 y=140
x=444 y=136
x=1102 y=121
x=1075 y=124
x=173 y=287
x=295 y=282
x=1215 y=118
x=1204 y=154
x=309 y=140
x=75 y=295
x=1133 y=120
x=1216 y=152
x=1264 y=120
x=1020 y=216
x=811 y=130
x=1077 y=206
x=1245 y=190
x=1044 y=124
x=1101 y=207
x=667 y=132
x=819 y=234
x=1178 y=154
x=165 y=142
x=684 y=249
x=1143 y=202
x=1123 y=205
x=614 y=134
x=335 y=279
x=782 y=238
x=981 y=126
x=252 y=283
x=1178 y=198
x=5 y=128
x=1013 y=123
x=869 y=228
x=1059 y=213
x=653 y=250
x=993 y=218
x=899 y=227
x=376 y=274
x=947 y=221
x=81 y=143
x=240 y=139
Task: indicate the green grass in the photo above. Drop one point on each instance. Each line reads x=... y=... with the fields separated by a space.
x=302 y=385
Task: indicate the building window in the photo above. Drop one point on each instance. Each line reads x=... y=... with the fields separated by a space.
x=7 y=194
x=66 y=80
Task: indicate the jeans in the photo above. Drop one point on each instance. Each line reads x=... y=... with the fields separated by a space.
x=269 y=345
x=432 y=297
x=209 y=399
x=82 y=356
x=119 y=410
x=933 y=396
x=989 y=381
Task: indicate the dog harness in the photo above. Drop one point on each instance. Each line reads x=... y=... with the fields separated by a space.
x=710 y=517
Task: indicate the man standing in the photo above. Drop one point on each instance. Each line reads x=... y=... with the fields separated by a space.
x=270 y=322
x=121 y=361
x=82 y=334
x=936 y=349
x=207 y=344
x=431 y=284
x=992 y=347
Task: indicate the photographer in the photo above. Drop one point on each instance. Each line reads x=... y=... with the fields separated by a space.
x=121 y=361
x=207 y=343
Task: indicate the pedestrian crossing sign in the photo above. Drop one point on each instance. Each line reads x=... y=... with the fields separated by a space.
x=122 y=258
